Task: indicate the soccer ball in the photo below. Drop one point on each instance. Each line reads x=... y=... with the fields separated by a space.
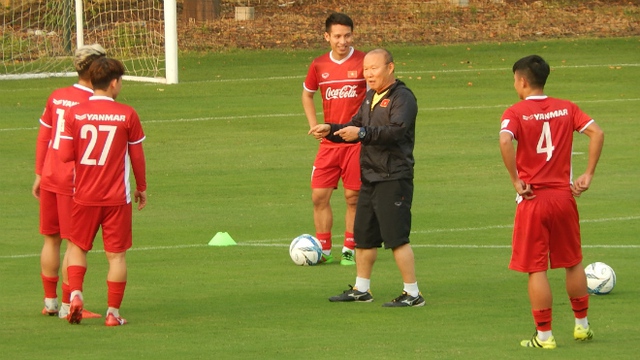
x=600 y=278
x=305 y=250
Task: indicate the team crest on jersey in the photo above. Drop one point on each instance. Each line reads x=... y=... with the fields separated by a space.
x=352 y=74
x=325 y=75
x=384 y=103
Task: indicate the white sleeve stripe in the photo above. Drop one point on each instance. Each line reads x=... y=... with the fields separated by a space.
x=305 y=87
x=45 y=125
x=137 y=142
x=508 y=131
x=586 y=126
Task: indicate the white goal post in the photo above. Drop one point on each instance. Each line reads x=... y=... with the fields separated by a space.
x=39 y=37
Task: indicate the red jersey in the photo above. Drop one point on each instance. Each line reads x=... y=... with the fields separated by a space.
x=341 y=84
x=543 y=127
x=57 y=176
x=102 y=131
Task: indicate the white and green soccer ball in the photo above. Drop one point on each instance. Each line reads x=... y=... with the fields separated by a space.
x=305 y=250
x=601 y=278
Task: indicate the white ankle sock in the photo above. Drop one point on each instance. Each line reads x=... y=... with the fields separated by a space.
x=411 y=289
x=114 y=311
x=74 y=293
x=544 y=335
x=345 y=249
x=582 y=322
x=362 y=284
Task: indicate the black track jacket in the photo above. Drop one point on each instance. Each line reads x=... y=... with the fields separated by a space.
x=387 y=148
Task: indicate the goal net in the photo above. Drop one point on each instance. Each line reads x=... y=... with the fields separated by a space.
x=39 y=37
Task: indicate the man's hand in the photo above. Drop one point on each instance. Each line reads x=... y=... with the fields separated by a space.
x=349 y=133
x=581 y=185
x=35 y=189
x=140 y=197
x=523 y=189
x=320 y=131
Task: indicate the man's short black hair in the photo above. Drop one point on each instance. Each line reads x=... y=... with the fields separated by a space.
x=337 y=18
x=534 y=69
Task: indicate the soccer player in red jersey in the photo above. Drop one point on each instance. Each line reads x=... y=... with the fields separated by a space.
x=53 y=185
x=103 y=138
x=337 y=75
x=546 y=227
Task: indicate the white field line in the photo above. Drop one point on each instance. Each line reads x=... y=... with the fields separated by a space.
x=442 y=71
x=263 y=116
x=285 y=242
x=276 y=78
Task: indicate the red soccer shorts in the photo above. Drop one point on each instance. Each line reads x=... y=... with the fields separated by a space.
x=55 y=214
x=114 y=220
x=546 y=231
x=333 y=163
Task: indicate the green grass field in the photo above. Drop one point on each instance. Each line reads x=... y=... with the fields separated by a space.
x=227 y=151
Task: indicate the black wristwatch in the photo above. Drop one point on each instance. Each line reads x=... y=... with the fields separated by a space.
x=362 y=133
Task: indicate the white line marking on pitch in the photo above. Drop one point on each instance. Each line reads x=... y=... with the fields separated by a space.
x=427 y=71
x=263 y=116
x=270 y=243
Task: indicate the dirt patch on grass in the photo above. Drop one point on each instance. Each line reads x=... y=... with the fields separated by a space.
x=299 y=24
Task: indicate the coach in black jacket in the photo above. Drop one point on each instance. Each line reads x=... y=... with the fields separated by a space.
x=385 y=125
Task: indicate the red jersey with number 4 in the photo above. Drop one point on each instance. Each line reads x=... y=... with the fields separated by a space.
x=543 y=127
x=57 y=176
x=102 y=130
x=341 y=85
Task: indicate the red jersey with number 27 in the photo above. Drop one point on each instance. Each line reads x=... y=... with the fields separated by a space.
x=102 y=130
x=543 y=127
x=57 y=176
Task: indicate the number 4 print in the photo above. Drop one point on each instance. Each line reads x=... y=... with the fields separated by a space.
x=545 y=146
x=90 y=131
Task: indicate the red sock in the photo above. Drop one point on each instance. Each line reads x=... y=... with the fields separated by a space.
x=115 y=293
x=50 y=285
x=542 y=319
x=325 y=240
x=66 y=293
x=580 y=306
x=76 y=277
x=348 y=241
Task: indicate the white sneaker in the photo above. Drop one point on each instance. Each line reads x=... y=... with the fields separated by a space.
x=50 y=306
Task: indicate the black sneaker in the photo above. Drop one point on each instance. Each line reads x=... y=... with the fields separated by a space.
x=405 y=300
x=353 y=295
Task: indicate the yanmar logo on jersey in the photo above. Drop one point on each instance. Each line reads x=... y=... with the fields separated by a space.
x=101 y=117
x=64 y=103
x=546 y=116
x=346 y=92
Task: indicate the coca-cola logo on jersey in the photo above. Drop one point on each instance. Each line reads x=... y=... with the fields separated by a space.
x=347 y=91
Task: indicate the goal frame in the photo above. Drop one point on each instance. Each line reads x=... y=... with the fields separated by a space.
x=170 y=49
